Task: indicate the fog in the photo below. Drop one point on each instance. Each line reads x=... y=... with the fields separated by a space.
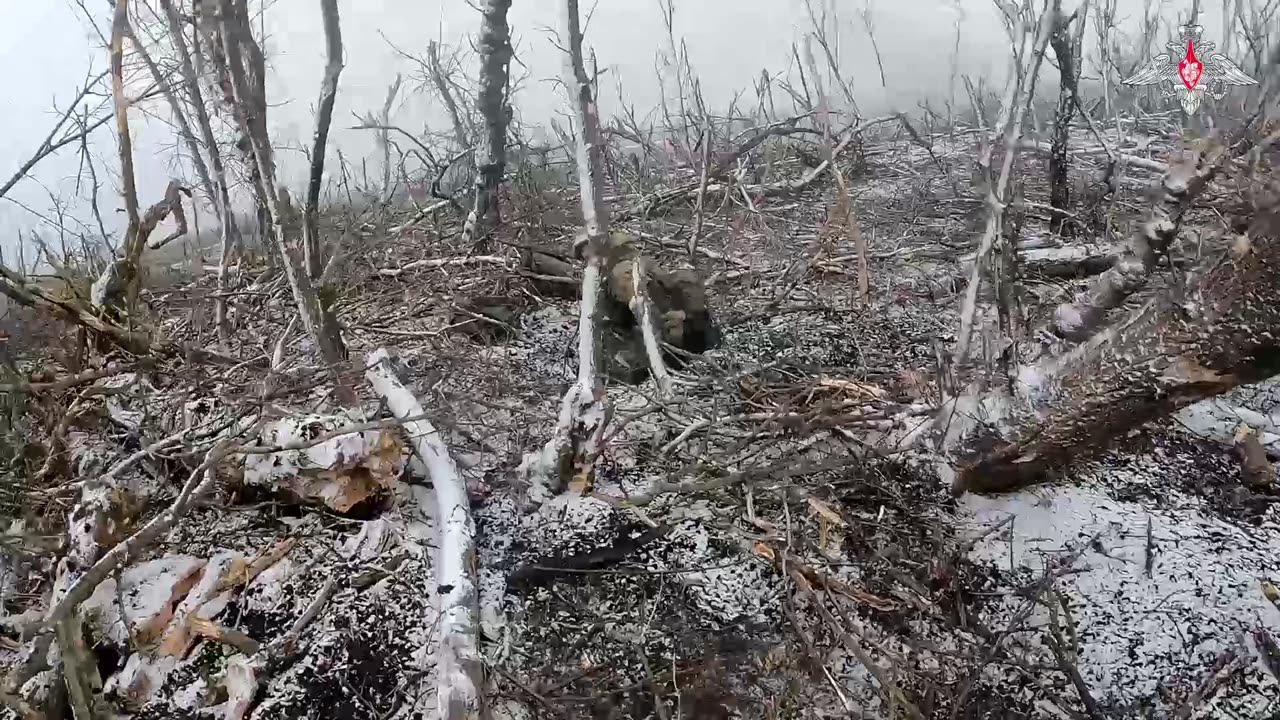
x=47 y=47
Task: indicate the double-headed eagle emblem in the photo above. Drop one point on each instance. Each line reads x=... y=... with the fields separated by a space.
x=1189 y=77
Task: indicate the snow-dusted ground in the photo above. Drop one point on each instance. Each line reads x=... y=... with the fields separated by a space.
x=1152 y=612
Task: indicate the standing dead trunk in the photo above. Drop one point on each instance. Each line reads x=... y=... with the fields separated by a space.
x=320 y=325
x=131 y=248
x=570 y=454
x=996 y=255
x=191 y=74
x=209 y=18
x=1067 y=49
x=324 y=116
x=494 y=47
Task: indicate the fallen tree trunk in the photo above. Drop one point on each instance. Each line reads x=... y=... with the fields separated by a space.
x=1069 y=261
x=459 y=670
x=1181 y=347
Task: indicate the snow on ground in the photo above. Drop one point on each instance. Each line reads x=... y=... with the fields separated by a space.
x=1143 y=635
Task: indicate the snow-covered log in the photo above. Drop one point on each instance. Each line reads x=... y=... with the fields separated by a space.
x=460 y=668
x=341 y=471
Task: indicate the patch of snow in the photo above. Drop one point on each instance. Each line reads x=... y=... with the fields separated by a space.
x=1138 y=631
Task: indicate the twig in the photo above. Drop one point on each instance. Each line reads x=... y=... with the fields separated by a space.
x=1072 y=671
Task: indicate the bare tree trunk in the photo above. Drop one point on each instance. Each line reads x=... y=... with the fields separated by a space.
x=584 y=411
x=995 y=254
x=131 y=247
x=324 y=116
x=1066 y=48
x=491 y=153
x=319 y=324
x=191 y=74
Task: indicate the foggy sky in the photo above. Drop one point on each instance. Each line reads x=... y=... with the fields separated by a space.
x=46 y=49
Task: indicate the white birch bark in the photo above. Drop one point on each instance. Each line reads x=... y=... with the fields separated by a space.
x=584 y=412
x=459 y=670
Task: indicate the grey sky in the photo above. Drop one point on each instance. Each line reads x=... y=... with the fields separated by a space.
x=45 y=51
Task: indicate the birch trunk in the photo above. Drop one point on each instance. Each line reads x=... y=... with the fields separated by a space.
x=571 y=452
x=460 y=667
x=179 y=116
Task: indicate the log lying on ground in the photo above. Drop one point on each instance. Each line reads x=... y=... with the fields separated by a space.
x=1223 y=332
x=1070 y=261
x=459 y=667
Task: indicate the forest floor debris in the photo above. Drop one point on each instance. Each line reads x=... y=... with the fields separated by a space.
x=754 y=545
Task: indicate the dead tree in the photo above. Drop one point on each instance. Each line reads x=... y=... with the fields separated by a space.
x=179 y=115
x=126 y=268
x=209 y=18
x=495 y=51
x=221 y=197
x=319 y=323
x=995 y=254
x=1067 y=48
x=571 y=452
x=324 y=117
x=440 y=79
x=120 y=281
